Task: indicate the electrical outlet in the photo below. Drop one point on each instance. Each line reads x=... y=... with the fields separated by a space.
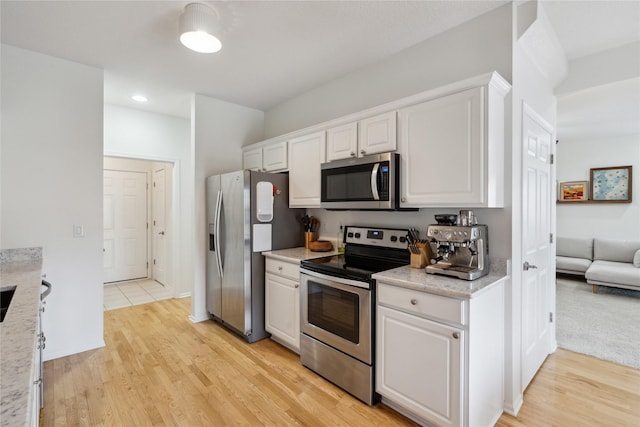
x=78 y=230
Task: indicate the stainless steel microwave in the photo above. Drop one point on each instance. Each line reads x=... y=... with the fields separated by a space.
x=367 y=183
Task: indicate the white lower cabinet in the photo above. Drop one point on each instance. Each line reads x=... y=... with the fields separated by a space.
x=433 y=368
x=282 y=303
x=419 y=365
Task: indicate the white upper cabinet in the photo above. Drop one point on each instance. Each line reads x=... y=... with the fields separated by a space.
x=306 y=153
x=368 y=136
x=452 y=149
x=342 y=142
x=252 y=159
x=377 y=134
x=268 y=158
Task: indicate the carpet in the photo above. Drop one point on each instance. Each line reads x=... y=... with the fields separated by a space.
x=605 y=325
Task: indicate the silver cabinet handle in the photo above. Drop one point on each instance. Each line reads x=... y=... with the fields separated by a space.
x=296 y=286
x=352 y=154
x=363 y=152
x=414 y=301
x=161 y=233
x=456 y=335
x=526 y=266
x=279 y=268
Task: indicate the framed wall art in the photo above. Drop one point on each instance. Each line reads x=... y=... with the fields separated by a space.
x=574 y=191
x=612 y=184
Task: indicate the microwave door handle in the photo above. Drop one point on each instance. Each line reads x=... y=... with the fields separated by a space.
x=374 y=181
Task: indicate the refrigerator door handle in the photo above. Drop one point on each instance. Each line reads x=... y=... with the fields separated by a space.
x=217 y=219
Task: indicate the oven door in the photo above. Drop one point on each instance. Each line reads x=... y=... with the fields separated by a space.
x=337 y=312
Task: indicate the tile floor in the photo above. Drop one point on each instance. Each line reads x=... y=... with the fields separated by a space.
x=135 y=292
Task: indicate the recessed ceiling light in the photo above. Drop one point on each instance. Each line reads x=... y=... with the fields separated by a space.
x=139 y=98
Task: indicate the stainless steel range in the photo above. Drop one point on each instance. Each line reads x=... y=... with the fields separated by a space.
x=338 y=307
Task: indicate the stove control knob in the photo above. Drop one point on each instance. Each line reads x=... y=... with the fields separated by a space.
x=350 y=234
x=357 y=235
x=394 y=238
x=403 y=239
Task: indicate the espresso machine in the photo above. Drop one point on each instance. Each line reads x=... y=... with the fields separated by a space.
x=461 y=247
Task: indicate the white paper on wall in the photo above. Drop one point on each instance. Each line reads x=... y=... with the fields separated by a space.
x=264 y=201
x=261 y=237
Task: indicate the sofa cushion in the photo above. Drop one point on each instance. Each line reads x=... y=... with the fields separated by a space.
x=575 y=247
x=615 y=250
x=578 y=265
x=636 y=259
x=614 y=272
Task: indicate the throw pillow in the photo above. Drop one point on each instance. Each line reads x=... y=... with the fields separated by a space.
x=636 y=259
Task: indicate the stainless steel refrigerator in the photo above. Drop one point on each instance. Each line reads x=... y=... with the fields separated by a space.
x=247 y=213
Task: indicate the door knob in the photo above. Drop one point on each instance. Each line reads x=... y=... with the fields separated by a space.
x=526 y=266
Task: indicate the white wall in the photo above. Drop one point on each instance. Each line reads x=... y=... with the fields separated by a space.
x=476 y=47
x=599 y=126
x=530 y=86
x=605 y=220
x=52 y=180
x=139 y=134
x=218 y=131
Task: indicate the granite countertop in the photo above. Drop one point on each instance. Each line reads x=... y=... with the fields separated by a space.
x=419 y=280
x=18 y=333
x=297 y=254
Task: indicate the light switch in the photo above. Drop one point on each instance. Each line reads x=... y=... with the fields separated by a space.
x=78 y=230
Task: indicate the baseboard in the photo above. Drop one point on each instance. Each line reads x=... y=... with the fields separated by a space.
x=58 y=353
x=512 y=408
x=198 y=319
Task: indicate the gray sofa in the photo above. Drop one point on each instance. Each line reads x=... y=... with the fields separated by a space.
x=603 y=262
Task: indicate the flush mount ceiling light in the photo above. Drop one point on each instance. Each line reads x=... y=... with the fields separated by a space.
x=198 y=24
x=139 y=98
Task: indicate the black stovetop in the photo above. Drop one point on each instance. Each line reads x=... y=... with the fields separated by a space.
x=358 y=265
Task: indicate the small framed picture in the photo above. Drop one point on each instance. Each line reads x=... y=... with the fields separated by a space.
x=574 y=191
x=612 y=184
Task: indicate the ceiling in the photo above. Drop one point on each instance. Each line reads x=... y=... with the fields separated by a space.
x=272 y=50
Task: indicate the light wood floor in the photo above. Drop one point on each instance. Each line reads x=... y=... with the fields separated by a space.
x=160 y=369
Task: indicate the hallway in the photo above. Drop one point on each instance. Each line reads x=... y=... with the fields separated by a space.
x=135 y=292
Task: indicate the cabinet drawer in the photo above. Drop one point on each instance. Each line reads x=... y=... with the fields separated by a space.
x=283 y=268
x=423 y=304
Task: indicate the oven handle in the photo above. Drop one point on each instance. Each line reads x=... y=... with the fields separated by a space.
x=341 y=280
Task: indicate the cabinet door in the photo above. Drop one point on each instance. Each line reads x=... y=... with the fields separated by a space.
x=274 y=157
x=377 y=134
x=252 y=159
x=305 y=155
x=419 y=366
x=282 y=310
x=342 y=142
x=442 y=149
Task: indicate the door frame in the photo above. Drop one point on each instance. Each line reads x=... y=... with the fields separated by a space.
x=176 y=218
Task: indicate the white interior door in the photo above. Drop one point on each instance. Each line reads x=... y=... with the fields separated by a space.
x=159 y=226
x=125 y=225
x=538 y=277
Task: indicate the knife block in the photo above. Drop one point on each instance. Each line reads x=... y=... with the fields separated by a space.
x=422 y=259
x=310 y=236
